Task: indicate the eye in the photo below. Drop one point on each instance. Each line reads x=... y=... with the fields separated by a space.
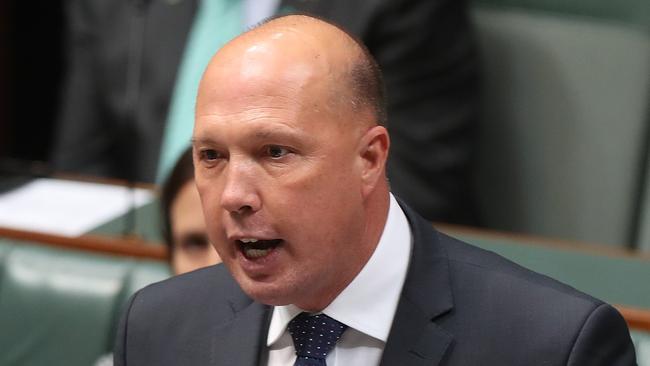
x=192 y=242
x=209 y=155
x=276 y=152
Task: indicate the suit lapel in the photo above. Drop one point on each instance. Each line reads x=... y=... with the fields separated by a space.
x=240 y=340
x=415 y=339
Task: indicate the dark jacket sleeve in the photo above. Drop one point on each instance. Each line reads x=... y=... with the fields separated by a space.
x=603 y=340
x=120 y=347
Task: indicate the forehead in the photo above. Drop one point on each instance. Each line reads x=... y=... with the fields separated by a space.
x=247 y=89
x=281 y=62
x=278 y=94
x=263 y=105
x=264 y=120
x=286 y=77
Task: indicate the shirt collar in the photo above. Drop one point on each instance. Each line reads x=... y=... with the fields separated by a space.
x=369 y=302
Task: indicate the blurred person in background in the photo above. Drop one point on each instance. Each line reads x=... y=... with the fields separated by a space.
x=183 y=225
x=134 y=66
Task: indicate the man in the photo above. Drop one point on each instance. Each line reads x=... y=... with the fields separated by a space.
x=322 y=265
x=134 y=65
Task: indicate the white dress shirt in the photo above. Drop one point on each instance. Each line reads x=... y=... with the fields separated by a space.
x=367 y=305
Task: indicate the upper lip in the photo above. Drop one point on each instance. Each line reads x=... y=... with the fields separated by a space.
x=239 y=237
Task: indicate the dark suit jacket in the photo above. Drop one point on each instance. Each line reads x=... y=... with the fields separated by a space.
x=123 y=56
x=460 y=305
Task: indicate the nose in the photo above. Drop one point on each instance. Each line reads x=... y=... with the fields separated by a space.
x=240 y=194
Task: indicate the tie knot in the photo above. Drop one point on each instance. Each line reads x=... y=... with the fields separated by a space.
x=314 y=336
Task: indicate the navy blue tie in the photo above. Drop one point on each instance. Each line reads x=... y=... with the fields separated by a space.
x=314 y=336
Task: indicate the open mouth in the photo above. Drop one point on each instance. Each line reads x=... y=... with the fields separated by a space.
x=256 y=248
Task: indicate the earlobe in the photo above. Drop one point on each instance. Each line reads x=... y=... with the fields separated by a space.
x=374 y=149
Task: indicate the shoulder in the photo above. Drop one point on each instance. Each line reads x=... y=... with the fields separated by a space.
x=212 y=284
x=494 y=297
x=502 y=313
x=186 y=298
x=492 y=277
x=167 y=322
x=470 y=267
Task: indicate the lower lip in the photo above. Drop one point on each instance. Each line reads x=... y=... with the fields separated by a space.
x=259 y=266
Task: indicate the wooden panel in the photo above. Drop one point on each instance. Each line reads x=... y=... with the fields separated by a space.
x=637 y=319
x=132 y=247
x=569 y=245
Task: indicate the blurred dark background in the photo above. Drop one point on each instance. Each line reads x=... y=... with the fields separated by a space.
x=31 y=59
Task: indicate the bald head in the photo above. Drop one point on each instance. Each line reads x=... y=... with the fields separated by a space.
x=306 y=54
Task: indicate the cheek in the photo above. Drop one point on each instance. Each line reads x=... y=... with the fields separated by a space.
x=334 y=188
x=210 y=195
x=330 y=176
x=212 y=256
x=215 y=231
x=180 y=263
x=323 y=207
x=186 y=261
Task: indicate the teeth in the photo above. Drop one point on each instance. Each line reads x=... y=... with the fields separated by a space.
x=256 y=253
x=258 y=248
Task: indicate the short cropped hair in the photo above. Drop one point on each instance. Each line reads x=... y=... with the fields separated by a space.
x=367 y=84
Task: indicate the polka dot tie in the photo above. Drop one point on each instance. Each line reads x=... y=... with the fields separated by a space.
x=314 y=336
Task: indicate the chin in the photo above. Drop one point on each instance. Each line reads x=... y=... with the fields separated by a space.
x=281 y=295
x=265 y=293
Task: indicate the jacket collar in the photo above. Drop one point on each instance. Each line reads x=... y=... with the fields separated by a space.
x=415 y=338
x=241 y=339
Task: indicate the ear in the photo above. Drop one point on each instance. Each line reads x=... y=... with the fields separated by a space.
x=373 y=150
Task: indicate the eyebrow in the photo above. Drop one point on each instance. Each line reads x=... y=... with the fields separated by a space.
x=261 y=134
x=202 y=140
